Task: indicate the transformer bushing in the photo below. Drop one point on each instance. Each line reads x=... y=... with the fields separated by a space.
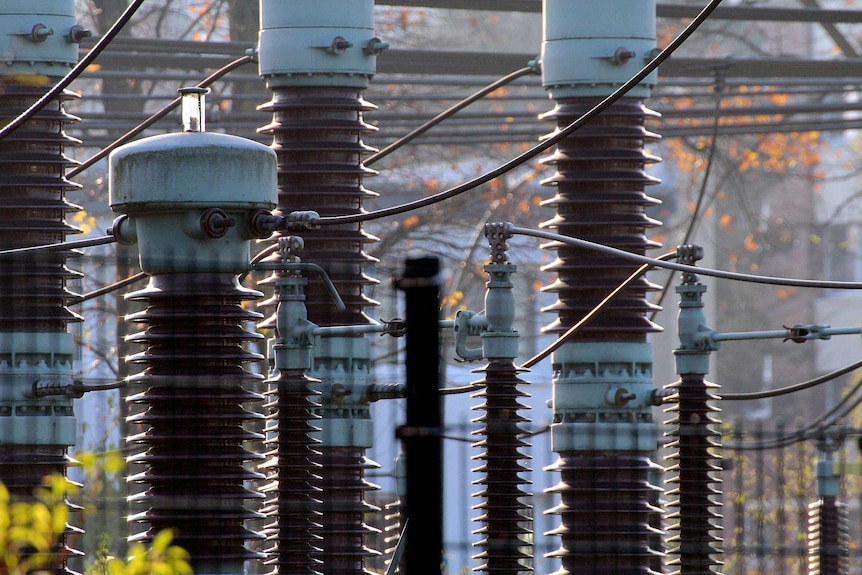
x=603 y=429
x=506 y=516
x=187 y=199
x=695 y=524
x=39 y=43
x=317 y=57
x=828 y=521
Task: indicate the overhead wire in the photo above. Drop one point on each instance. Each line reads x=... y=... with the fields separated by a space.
x=736 y=276
x=701 y=195
x=109 y=288
x=769 y=393
x=88 y=243
x=812 y=430
x=592 y=313
x=538 y=148
x=206 y=82
x=448 y=113
x=70 y=77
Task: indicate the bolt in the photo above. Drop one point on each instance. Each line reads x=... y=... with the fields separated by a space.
x=78 y=33
x=376 y=46
x=215 y=223
x=622 y=55
x=339 y=45
x=40 y=33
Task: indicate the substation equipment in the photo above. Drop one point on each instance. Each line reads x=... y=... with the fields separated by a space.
x=603 y=429
x=195 y=202
x=39 y=45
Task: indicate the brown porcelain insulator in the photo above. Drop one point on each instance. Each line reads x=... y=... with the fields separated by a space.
x=192 y=416
x=506 y=544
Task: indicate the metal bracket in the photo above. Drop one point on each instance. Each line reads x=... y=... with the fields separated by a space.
x=468 y=323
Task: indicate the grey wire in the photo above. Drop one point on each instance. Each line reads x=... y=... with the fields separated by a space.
x=448 y=113
x=555 y=345
x=539 y=148
x=810 y=431
x=769 y=280
x=742 y=396
x=70 y=77
x=710 y=160
x=98 y=241
x=109 y=288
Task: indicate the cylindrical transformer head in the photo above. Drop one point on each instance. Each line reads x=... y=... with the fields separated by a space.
x=189 y=197
x=318 y=43
x=38 y=39
x=591 y=48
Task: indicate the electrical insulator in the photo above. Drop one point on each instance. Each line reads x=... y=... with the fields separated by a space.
x=603 y=428
x=187 y=200
x=36 y=430
x=317 y=57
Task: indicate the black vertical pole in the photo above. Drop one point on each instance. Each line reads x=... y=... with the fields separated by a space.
x=421 y=437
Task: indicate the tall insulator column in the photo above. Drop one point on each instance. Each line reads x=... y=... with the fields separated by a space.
x=603 y=428
x=828 y=518
x=292 y=505
x=317 y=57
x=187 y=200
x=39 y=43
x=506 y=516
x=694 y=474
x=695 y=543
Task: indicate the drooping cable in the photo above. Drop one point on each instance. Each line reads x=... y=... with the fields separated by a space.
x=538 y=148
x=768 y=280
x=82 y=65
x=270 y=249
x=448 y=113
x=212 y=78
x=743 y=396
x=592 y=313
x=811 y=430
x=109 y=288
x=701 y=195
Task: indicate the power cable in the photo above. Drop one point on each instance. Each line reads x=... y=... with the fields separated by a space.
x=592 y=313
x=461 y=389
x=768 y=280
x=87 y=387
x=743 y=396
x=99 y=241
x=109 y=288
x=448 y=113
x=270 y=249
x=701 y=195
x=813 y=429
x=539 y=148
x=206 y=82
x=70 y=77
